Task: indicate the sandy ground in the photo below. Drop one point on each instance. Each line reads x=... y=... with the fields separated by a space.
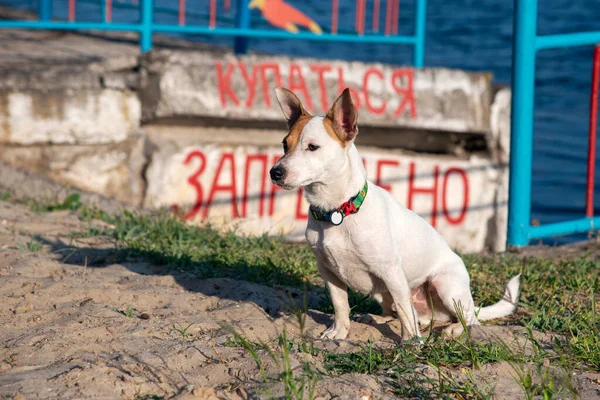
x=71 y=328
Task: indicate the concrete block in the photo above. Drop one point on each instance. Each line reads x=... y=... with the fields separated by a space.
x=499 y=142
x=228 y=185
x=114 y=170
x=222 y=85
x=24 y=185
x=499 y=146
x=90 y=116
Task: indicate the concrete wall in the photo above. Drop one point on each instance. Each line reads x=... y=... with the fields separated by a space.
x=78 y=126
x=197 y=132
x=68 y=116
x=241 y=87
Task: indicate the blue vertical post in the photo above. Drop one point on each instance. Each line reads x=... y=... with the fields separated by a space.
x=103 y=10
x=243 y=22
x=146 y=31
x=420 y=26
x=522 y=107
x=45 y=10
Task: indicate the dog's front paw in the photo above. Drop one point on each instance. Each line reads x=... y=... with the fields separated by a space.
x=335 y=331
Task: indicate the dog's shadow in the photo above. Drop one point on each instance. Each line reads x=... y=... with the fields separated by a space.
x=274 y=301
x=376 y=321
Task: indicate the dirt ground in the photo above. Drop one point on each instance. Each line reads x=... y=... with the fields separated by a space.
x=118 y=330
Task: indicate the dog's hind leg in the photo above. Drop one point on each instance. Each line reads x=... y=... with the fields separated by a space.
x=387 y=303
x=399 y=290
x=453 y=289
x=389 y=309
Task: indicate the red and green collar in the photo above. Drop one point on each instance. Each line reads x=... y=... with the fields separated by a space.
x=336 y=217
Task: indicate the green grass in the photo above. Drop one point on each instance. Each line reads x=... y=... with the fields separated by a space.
x=298 y=383
x=558 y=297
x=71 y=203
x=32 y=246
x=5 y=195
x=440 y=355
x=209 y=253
x=183 y=331
x=129 y=312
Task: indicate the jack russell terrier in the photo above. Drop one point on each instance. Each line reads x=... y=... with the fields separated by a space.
x=363 y=238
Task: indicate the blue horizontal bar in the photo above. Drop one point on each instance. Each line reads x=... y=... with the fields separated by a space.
x=567 y=40
x=257 y=33
x=277 y=34
x=59 y=25
x=564 y=228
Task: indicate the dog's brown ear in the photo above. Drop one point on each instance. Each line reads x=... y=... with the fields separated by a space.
x=343 y=115
x=290 y=105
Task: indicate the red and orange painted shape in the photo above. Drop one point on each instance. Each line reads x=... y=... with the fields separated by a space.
x=284 y=16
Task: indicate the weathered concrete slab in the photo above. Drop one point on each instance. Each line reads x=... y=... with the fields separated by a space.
x=20 y=48
x=499 y=147
x=23 y=185
x=41 y=77
x=68 y=116
x=229 y=185
x=499 y=137
x=223 y=85
x=114 y=170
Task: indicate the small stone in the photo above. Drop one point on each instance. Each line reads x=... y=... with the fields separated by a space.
x=242 y=392
x=205 y=393
x=84 y=302
x=23 y=308
x=144 y=316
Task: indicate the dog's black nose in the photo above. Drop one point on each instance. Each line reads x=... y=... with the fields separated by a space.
x=277 y=173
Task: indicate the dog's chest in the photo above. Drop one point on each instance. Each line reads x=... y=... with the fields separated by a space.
x=342 y=255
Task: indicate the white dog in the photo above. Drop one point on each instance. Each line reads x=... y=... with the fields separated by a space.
x=363 y=238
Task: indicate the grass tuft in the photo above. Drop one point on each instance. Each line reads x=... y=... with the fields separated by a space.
x=71 y=203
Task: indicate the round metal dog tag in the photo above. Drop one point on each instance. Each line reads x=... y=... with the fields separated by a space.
x=336 y=218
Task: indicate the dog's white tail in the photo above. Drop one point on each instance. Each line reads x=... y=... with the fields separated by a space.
x=504 y=307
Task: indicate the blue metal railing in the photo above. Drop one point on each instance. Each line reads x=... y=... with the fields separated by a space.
x=526 y=44
x=241 y=31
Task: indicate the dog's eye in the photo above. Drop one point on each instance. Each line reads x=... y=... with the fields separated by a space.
x=313 y=147
x=285 y=148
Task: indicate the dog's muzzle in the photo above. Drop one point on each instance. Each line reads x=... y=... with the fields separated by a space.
x=277 y=174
